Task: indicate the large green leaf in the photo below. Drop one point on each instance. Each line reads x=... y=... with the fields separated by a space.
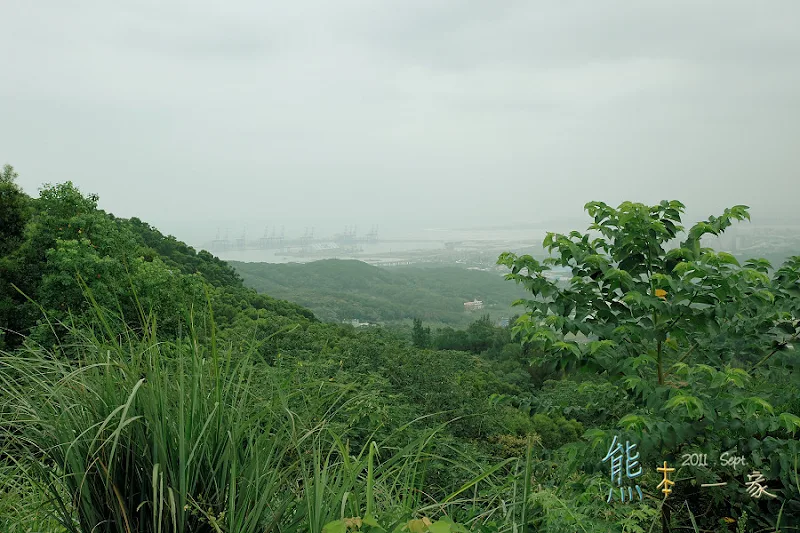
x=790 y=422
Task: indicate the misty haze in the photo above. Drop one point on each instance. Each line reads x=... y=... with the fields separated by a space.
x=360 y=266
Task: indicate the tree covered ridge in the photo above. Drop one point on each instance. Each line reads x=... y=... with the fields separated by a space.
x=339 y=289
x=60 y=247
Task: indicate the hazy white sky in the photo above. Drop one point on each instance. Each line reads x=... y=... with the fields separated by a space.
x=196 y=114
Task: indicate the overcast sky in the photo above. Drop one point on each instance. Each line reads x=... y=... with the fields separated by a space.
x=198 y=114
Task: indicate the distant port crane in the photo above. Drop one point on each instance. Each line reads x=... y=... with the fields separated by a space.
x=274 y=240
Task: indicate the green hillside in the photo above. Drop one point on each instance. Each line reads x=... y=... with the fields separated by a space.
x=144 y=387
x=344 y=289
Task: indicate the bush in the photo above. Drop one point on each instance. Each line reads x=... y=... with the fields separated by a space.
x=555 y=431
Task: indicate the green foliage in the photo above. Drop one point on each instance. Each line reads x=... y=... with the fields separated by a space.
x=183 y=258
x=480 y=336
x=85 y=250
x=154 y=391
x=694 y=336
x=420 y=336
x=146 y=437
x=555 y=431
x=21 y=502
x=14 y=211
x=162 y=393
x=14 y=214
x=452 y=339
x=591 y=401
x=177 y=436
x=69 y=249
x=369 y=524
x=339 y=290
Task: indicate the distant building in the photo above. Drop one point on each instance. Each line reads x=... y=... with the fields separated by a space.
x=474 y=305
x=356 y=323
x=503 y=322
x=323 y=246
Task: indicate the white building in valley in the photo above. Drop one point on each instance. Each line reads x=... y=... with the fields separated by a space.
x=474 y=305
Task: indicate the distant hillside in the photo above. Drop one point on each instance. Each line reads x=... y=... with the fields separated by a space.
x=344 y=289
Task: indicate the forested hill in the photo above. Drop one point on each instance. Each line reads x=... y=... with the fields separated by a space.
x=60 y=255
x=346 y=289
x=139 y=375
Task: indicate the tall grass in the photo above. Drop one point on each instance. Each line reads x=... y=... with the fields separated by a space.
x=21 y=502
x=147 y=436
x=134 y=434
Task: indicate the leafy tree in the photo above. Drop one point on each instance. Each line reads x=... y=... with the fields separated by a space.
x=420 y=336
x=73 y=253
x=14 y=210
x=8 y=175
x=696 y=338
x=178 y=256
x=451 y=339
x=14 y=215
x=555 y=431
x=482 y=334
